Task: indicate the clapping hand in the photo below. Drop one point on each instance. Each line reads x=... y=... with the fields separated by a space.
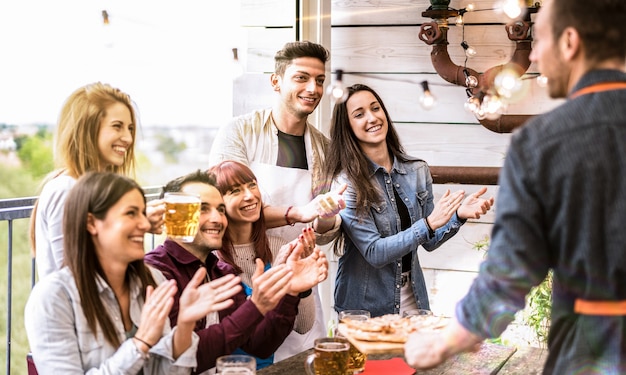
x=474 y=206
x=308 y=271
x=155 y=311
x=445 y=208
x=198 y=300
x=269 y=287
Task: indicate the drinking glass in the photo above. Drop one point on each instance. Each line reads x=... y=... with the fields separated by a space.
x=182 y=215
x=415 y=312
x=236 y=364
x=357 y=359
x=329 y=357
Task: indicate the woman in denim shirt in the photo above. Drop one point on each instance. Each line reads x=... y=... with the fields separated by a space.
x=389 y=210
x=103 y=312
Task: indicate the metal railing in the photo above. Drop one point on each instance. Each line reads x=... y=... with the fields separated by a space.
x=21 y=208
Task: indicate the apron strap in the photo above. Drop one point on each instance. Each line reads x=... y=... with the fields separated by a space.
x=587 y=307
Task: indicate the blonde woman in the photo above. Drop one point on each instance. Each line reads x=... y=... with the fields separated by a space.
x=95 y=132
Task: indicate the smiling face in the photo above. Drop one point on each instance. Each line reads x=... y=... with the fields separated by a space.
x=243 y=203
x=367 y=119
x=118 y=237
x=213 y=222
x=115 y=136
x=302 y=85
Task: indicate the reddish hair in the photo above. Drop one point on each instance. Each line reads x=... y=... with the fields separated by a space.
x=229 y=174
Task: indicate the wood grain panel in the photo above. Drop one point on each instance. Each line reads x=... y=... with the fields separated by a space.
x=368 y=12
x=399 y=49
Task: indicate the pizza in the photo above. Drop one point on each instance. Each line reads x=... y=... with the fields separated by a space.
x=391 y=327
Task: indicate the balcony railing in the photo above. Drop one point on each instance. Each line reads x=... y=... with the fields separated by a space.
x=21 y=208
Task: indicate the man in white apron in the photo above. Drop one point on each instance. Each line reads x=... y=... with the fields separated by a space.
x=286 y=154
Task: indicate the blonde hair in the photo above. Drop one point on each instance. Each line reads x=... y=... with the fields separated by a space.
x=76 y=137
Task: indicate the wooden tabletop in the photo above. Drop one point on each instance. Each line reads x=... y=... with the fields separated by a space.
x=491 y=359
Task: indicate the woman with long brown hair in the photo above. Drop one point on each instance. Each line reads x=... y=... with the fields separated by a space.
x=105 y=310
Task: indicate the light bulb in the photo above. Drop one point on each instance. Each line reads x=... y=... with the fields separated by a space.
x=236 y=66
x=107 y=36
x=512 y=8
x=337 y=90
x=469 y=50
x=493 y=106
x=459 y=20
x=470 y=80
x=507 y=83
x=470 y=7
x=472 y=104
x=427 y=100
x=542 y=81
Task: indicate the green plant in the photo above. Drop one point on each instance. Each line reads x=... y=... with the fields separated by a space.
x=537 y=313
x=539 y=309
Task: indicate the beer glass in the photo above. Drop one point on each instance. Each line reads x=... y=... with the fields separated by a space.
x=416 y=312
x=182 y=215
x=330 y=357
x=236 y=364
x=356 y=362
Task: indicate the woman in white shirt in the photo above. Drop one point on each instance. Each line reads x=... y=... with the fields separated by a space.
x=104 y=312
x=95 y=132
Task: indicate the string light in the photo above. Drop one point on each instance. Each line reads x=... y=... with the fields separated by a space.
x=469 y=50
x=542 y=81
x=470 y=80
x=512 y=8
x=237 y=69
x=337 y=90
x=427 y=100
x=507 y=83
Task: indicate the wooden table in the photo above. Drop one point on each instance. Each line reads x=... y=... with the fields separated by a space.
x=491 y=359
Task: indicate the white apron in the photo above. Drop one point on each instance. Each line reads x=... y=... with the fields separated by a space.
x=290 y=186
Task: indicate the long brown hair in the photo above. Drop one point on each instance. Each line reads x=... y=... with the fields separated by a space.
x=76 y=137
x=229 y=174
x=95 y=193
x=347 y=155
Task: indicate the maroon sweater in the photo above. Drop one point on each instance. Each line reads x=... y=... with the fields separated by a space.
x=241 y=325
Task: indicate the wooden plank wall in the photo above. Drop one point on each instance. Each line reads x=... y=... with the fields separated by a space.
x=376 y=43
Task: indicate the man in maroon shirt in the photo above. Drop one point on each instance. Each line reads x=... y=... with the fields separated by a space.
x=259 y=324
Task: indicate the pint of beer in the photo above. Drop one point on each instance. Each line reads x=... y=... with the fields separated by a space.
x=330 y=357
x=182 y=215
x=356 y=363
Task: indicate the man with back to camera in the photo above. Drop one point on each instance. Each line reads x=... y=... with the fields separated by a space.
x=286 y=153
x=258 y=324
x=561 y=206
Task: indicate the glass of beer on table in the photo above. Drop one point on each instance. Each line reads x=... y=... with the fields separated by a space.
x=357 y=360
x=182 y=215
x=236 y=364
x=330 y=357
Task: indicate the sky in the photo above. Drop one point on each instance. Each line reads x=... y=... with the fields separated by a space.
x=174 y=58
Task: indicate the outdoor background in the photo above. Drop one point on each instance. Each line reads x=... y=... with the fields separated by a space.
x=173 y=58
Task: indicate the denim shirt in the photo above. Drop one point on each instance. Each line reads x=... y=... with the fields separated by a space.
x=370 y=269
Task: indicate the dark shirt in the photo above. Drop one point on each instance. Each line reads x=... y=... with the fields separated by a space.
x=241 y=325
x=562 y=206
x=291 y=151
